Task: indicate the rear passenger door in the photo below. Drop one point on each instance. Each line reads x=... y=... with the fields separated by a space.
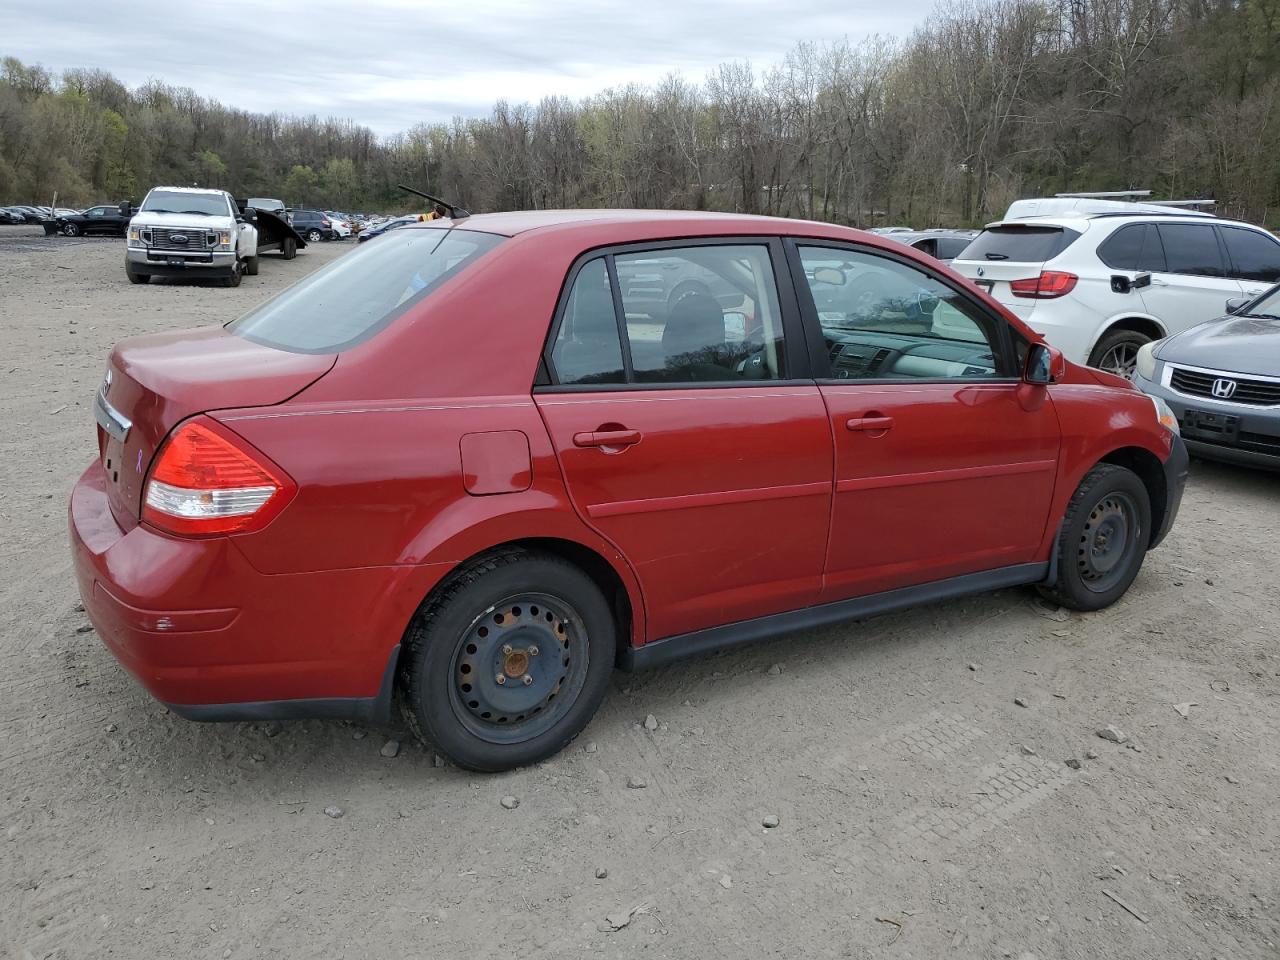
x=1253 y=258
x=1189 y=281
x=678 y=399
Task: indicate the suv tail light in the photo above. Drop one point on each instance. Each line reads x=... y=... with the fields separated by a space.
x=206 y=481
x=1050 y=284
x=325 y=222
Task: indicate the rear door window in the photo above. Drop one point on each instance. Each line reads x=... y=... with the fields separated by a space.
x=352 y=298
x=588 y=346
x=1020 y=244
x=1191 y=248
x=1254 y=256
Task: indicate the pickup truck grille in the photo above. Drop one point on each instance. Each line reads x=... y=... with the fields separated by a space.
x=163 y=238
x=1247 y=390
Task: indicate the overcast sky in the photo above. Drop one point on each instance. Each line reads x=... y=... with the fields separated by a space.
x=389 y=64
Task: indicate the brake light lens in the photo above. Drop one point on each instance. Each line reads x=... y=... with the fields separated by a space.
x=206 y=481
x=1047 y=286
x=325 y=223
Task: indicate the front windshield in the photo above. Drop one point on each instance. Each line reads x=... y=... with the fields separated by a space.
x=1268 y=305
x=351 y=299
x=175 y=201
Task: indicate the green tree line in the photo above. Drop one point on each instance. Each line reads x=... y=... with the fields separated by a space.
x=983 y=103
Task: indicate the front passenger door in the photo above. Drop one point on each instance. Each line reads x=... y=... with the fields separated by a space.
x=945 y=461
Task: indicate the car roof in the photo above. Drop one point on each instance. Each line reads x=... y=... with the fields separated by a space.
x=628 y=225
x=1082 y=222
x=190 y=190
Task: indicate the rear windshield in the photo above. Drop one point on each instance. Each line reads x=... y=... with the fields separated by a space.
x=1019 y=244
x=351 y=299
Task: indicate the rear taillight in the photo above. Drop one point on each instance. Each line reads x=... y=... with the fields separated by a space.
x=206 y=480
x=1050 y=284
x=325 y=223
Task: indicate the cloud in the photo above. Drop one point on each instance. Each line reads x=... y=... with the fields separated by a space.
x=390 y=64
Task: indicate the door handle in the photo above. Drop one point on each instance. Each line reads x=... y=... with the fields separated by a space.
x=607 y=438
x=869 y=424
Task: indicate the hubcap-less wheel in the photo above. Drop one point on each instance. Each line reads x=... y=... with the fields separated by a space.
x=1110 y=536
x=314 y=236
x=519 y=668
x=1122 y=360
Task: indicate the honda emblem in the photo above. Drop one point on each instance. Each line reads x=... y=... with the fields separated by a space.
x=1224 y=389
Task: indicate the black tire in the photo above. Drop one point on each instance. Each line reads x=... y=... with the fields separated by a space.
x=233 y=278
x=71 y=230
x=136 y=277
x=520 y=616
x=1103 y=541
x=251 y=266
x=289 y=248
x=1117 y=352
x=314 y=235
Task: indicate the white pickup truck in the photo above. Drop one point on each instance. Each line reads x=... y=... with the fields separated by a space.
x=190 y=232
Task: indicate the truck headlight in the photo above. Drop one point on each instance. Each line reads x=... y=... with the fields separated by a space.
x=1164 y=413
x=1147 y=360
x=135 y=237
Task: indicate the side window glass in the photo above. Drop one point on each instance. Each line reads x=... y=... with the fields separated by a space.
x=702 y=314
x=1122 y=249
x=1254 y=256
x=587 y=348
x=1191 y=248
x=94 y=213
x=885 y=320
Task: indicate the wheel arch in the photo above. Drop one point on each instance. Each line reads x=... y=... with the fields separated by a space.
x=1150 y=470
x=606 y=568
x=1143 y=323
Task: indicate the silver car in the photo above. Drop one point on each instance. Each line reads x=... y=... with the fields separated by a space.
x=1222 y=379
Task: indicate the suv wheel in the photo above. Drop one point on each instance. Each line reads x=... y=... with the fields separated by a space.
x=1103 y=541
x=508 y=663
x=314 y=236
x=1117 y=352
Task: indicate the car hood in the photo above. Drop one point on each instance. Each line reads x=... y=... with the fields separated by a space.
x=186 y=220
x=1230 y=344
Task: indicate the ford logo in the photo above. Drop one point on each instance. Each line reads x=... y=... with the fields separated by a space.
x=178 y=237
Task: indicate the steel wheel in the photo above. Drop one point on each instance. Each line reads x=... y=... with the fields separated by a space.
x=1121 y=359
x=519 y=667
x=1111 y=534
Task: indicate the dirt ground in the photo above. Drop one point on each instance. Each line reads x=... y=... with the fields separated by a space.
x=923 y=812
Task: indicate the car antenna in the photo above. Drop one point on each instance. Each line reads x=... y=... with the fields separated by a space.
x=455 y=213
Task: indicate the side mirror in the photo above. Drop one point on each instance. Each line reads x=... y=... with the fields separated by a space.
x=927 y=302
x=1045 y=365
x=126 y=209
x=1236 y=304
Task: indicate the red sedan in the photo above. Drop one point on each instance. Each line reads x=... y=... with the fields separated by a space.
x=477 y=462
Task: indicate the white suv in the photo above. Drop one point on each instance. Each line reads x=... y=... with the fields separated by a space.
x=1098 y=285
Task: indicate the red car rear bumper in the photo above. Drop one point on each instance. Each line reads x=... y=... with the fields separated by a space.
x=215 y=639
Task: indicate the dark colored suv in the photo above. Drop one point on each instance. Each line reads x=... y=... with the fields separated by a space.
x=313 y=225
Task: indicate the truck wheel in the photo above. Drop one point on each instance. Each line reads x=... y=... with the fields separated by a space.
x=1117 y=352
x=233 y=278
x=71 y=230
x=289 y=248
x=251 y=266
x=1103 y=541
x=136 y=277
x=508 y=662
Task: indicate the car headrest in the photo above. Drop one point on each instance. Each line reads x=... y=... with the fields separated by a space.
x=695 y=322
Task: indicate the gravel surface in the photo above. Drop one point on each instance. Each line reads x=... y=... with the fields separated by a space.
x=920 y=812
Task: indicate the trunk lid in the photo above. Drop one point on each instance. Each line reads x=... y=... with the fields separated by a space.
x=155 y=382
x=1005 y=252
